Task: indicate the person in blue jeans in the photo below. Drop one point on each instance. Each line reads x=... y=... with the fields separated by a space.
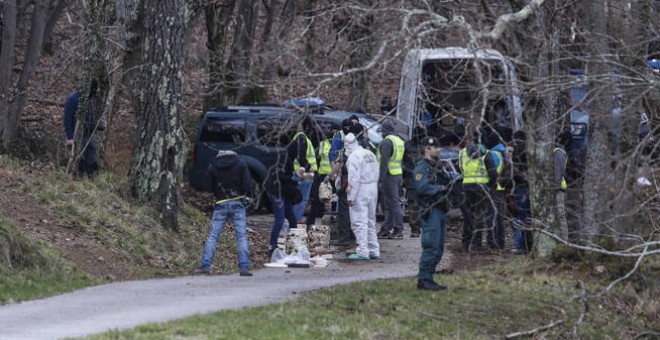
x=228 y=178
x=282 y=193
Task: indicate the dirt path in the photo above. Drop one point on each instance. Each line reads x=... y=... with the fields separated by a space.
x=131 y=303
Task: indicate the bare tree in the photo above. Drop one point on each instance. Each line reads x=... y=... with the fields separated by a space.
x=13 y=87
x=154 y=59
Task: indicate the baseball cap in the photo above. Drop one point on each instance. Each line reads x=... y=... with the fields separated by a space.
x=429 y=141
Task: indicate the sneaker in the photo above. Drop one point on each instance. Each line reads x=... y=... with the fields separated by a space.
x=374 y=257
x=397 y=234
x=414 y=234
x=383 y=234
x=518 y=252
x=245 y=273
x=356 y=257
x=429 y=285
x=200 y=271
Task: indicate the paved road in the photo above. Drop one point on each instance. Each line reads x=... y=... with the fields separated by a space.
x=128 y=304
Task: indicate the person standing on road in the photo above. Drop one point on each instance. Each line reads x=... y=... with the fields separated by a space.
x=522 y=236
x=431 y=187
x=362 y=192
x=343 y=235
x=479 y=180
x=317 y=208
x=282 y=193
x=390 y=156
x=301 y=153
x=496 y=234
x=228 y=178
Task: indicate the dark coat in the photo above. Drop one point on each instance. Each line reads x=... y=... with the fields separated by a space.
x=228 y=176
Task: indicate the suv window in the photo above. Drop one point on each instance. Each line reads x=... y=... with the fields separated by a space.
x=275 y=131
x=224 y=130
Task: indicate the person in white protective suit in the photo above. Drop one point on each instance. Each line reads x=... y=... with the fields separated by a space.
x=362 y=189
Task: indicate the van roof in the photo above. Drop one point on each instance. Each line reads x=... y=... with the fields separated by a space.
x=454 y=53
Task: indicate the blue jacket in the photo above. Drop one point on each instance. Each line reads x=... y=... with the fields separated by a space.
x=70 y=109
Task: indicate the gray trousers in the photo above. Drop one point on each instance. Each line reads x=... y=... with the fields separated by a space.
x=389 y=192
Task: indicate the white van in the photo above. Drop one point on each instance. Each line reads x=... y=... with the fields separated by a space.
x=450 y=92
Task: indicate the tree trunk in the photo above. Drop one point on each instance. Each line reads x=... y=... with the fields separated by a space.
x=632 y=43
x=360 y=37
x=598 y=165
x=541 y=137
x=272 y=45
x=239 y=65
x=7 y=45
x=218 y=15
x=160 y=144
x=95 y=68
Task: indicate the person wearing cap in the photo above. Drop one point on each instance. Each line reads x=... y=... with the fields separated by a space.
x=228 y=178
x=390 y=156
x=362 y=191
x=432 y=185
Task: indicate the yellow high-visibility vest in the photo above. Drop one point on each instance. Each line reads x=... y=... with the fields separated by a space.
x=310 y=154
x=398 y=148
x=474 y=170
x=563 y=179
x=324 y=155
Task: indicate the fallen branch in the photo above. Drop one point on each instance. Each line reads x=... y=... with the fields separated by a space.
x=632 y=271
x=434 y=316
x=535 y=330
x=583 y=298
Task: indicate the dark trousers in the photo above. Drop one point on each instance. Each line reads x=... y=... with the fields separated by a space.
x=476 y=210
x=282 y=208
x=317 y=208
x=413 y=211
x=495 y=236
x=524 y=239
x=433 y=243
x=89 y=163
x=389 y=191
x=343 y=231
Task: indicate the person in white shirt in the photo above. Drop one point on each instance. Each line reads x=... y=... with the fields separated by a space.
x=362 y=189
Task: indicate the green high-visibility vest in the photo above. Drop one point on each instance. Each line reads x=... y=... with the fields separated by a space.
x=474 y=170
x=324 y=155
x=398 y=148
x=310 y=154
x=563 y=179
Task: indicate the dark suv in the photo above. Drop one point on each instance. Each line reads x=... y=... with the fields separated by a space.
x=259 y=134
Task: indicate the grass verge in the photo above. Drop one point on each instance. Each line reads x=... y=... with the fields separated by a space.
x=488 y=303
x=30 y=269
x=101 y=212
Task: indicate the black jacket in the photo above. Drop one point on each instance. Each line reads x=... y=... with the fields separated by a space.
x=228 y=176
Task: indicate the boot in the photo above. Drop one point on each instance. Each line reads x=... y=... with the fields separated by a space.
x=429 y=285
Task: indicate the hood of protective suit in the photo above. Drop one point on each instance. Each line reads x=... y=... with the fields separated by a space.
x=350 y=143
